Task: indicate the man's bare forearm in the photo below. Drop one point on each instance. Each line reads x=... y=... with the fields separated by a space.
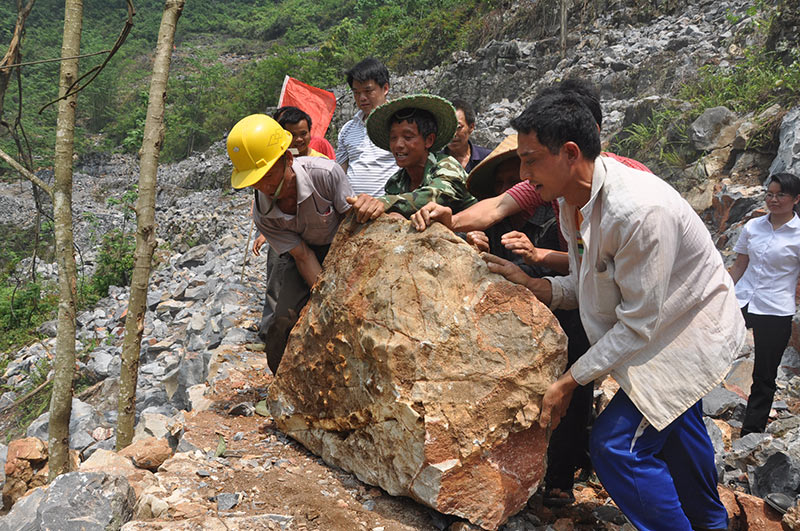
x=486 y=213
x=307 y=263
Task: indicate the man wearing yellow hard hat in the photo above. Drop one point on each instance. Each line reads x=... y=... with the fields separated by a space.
x=298 y=205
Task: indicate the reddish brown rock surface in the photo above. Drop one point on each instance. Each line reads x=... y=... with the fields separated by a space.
x=148 y=453
x=420 y=371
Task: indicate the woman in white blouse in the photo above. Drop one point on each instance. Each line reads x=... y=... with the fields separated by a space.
x=766 y=272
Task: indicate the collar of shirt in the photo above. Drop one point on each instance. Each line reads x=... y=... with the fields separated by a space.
x=359 y=116
x=793 y=223
x=304 y=191
x=402 y=180
x=472 y=154
x=598 y=179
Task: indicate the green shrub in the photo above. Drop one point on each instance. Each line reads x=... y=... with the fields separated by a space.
x=114 y=262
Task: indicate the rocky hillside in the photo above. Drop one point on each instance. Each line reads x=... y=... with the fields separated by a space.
x=208 y=456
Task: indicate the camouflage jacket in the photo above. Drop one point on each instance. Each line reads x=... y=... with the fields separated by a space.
x=443 y=181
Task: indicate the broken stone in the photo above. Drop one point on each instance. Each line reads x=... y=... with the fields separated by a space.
x=421 y=372
x=712 y=130
x=148 y=453
x=245 y=409
x=227 y=501
x=781 y=473
x=757 y=515
x=720 y=401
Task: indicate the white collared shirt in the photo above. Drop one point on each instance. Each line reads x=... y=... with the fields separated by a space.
x=368 y=166
x=322 y=188
x=657 y=304
x=769 y=282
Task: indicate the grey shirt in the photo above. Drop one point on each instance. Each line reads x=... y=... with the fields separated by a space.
x=322 y=187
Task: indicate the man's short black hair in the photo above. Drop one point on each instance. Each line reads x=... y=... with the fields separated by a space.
x=587 y=92
x=366 y=70
x=466 y=108
x=789 y=183
x=558 y=118
x=426 y=123
x=291 y=115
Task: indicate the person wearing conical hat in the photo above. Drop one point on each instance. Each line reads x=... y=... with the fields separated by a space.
x=494 y=176
x=298 y=205
x=414 y=128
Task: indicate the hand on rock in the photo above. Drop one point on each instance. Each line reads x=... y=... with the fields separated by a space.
x=556 y=401
x=431 y=212
x=366 y=207
x=508 y=269
x=479 y=240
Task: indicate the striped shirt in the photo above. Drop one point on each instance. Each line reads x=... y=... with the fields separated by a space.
x=368 y=166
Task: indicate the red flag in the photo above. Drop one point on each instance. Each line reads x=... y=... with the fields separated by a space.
x=318 y=103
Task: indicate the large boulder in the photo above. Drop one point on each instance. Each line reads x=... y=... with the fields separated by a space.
x=421 y=372
x=788 y=156
x=76 y=501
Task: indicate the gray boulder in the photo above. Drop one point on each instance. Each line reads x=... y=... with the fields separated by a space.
x=788 y=157
x=720 y=402
x=706 y=131
x=24 y=515
x=780 y=473
x=83 y=420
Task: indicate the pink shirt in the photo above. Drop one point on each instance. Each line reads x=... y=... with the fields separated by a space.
x=529 y=199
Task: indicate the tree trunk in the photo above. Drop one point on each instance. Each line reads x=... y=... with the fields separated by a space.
x=13 y=54
x=563 y=28
x=61 y=398
x=145 y=222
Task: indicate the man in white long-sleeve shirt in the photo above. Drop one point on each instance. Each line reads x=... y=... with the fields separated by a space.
x=657 y=306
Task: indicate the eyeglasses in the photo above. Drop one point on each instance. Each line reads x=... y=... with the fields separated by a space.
x=779 y=196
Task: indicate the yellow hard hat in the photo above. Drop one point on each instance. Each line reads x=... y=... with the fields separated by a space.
x=254 y=144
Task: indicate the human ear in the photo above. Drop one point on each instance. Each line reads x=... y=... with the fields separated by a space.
x=572 y=150
x=429 y=140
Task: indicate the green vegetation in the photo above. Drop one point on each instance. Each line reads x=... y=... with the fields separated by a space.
x=230 y=60
x=757 y=81
x=26 y=303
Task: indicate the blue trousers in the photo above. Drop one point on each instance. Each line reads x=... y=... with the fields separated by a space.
x=661 y=480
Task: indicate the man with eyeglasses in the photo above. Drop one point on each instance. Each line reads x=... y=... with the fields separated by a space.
x=298 y=205
x=367 y=165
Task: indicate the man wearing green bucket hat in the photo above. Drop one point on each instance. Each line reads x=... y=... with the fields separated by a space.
x=414 y=128
x=298 y=205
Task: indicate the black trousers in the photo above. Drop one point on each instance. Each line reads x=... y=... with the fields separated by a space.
x=287 y=294
x=771 y=334
x=569 y=442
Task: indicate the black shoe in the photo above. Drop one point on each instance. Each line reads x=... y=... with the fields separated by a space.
x=779 y=501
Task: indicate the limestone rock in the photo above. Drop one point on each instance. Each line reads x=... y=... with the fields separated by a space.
x=757 y=515
x=791 y=519
x=148 y=453
x=80 y=500
x=110 y=462
x=712 y=130
x=788 y=157
x=421 y=372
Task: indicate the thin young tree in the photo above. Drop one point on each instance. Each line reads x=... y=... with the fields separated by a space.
x=563 y=24
x=145 y=222
x=64 y=366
